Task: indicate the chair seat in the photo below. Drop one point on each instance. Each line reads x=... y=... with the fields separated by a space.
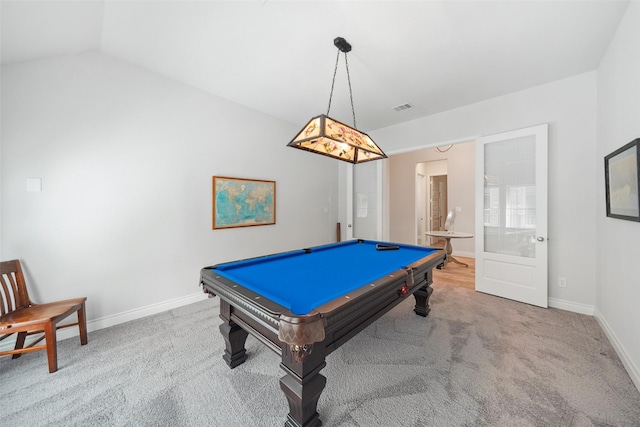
x=38 y=313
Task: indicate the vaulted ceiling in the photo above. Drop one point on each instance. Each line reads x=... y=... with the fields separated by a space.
x=278 y=56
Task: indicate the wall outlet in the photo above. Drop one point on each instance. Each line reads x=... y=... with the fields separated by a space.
x=562 y=282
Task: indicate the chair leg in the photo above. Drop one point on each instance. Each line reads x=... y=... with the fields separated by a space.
x=82 y=325
x=52 y=346
x=19 y=343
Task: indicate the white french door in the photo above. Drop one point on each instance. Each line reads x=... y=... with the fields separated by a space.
x=511 y=215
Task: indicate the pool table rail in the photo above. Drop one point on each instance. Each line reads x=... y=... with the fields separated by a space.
x=305 y=330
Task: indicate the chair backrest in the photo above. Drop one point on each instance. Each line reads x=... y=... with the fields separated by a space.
x=13 y=288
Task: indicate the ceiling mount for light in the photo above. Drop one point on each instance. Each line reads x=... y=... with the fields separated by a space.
x=444 y=149
x=342 y=44
x=329 y=137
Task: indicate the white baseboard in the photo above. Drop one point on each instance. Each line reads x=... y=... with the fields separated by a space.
x=116 y=319
x=631 y=368
x=138 y=313
x=571 y=306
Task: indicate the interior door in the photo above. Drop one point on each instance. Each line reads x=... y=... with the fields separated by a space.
x=511 y=215
x=367 y=200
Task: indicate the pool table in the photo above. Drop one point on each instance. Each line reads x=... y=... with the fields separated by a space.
x=304 y=304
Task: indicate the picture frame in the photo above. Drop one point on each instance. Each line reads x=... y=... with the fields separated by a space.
x=622 y=182
x=242 y=202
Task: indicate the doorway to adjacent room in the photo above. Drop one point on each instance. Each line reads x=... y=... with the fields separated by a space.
x=431 y=200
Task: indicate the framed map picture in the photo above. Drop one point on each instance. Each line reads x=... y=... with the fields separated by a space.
x=622 y=182
x=239 y=202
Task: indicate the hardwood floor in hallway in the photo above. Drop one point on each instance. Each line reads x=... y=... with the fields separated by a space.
x=457 y=275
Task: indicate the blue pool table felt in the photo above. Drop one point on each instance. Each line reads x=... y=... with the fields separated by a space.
x=301 y=281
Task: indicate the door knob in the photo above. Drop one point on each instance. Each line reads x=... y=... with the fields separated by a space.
x=540 y=239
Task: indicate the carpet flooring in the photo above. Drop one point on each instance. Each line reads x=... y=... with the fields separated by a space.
x=476 y=360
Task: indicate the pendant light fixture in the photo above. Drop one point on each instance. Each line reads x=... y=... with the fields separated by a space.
x=329 y=137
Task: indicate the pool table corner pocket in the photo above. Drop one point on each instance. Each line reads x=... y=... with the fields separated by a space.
x=301 y=332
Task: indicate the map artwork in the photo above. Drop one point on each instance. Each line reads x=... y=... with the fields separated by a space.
x=241 y=202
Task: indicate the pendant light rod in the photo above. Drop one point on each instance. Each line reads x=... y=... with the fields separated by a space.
x=343 y=46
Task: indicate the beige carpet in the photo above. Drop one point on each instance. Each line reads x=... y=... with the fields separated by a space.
x=476 y=360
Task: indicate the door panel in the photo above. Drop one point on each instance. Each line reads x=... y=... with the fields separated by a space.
x=513 y=273
x=511 y=215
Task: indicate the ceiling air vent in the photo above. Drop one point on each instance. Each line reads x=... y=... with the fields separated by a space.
x=402 y=107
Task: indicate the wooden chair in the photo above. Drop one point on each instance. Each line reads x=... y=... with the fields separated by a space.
x=19 y=315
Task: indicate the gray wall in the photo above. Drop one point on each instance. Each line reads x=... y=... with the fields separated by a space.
x=126 y=159
x=617 y=241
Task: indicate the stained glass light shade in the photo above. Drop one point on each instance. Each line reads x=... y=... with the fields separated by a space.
x=329 y=137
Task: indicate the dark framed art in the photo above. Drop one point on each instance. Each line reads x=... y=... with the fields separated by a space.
x=622 y=182
x=241 y=202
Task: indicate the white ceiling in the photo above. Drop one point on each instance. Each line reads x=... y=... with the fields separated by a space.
x=278 y=56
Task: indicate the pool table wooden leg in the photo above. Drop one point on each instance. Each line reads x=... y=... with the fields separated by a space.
x=422 y=296
x=234 y=336
x=302 y=385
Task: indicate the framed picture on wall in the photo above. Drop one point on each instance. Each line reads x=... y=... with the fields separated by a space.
x=622 y=182
x=241 y=202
